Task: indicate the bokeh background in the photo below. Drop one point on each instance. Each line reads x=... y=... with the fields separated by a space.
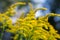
x=53 y=6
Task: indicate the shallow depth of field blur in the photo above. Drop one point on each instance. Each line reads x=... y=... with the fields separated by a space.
x=29 y=19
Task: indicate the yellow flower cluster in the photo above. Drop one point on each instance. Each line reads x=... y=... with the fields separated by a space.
x=29 y=28
x=11 y=9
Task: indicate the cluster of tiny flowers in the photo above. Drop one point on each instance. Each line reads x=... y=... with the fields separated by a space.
x=29 y=27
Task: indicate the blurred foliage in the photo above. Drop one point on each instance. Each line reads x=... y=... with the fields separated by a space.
x=29 y=27
x=4 y=4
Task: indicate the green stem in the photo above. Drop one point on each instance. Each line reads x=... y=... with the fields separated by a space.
x=1 y=35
